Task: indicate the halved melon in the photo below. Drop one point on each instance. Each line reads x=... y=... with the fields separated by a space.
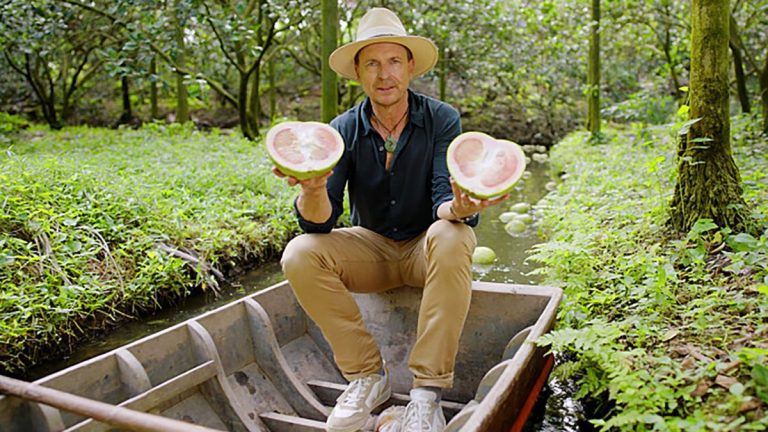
x=485 y=167
x=304 y=149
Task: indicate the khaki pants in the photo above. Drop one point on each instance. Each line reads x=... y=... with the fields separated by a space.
x=324 y=268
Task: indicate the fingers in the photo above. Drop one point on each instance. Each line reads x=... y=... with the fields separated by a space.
x=311 y=183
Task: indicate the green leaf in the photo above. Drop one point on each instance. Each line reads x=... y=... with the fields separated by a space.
x=760 y=375
x=701 y=226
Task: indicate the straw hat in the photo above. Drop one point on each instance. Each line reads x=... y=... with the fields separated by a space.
x=382 y=25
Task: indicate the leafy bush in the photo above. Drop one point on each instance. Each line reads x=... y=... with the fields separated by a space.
x=673 y=331
x=9 y=125
x=96 y=224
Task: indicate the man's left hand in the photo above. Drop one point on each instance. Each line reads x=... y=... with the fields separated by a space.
x=464 y=205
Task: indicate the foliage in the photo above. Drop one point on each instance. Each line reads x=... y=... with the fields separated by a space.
x=92 y=221
x=672 y=331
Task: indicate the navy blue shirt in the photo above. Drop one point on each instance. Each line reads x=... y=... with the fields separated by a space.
x=399 y=203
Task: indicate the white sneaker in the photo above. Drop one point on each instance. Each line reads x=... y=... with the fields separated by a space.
x=423 y=413
x=354 y=406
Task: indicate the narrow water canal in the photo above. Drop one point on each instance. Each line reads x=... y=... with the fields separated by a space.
x=556 y=411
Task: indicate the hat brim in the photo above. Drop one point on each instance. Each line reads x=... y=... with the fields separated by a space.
x=424 y=51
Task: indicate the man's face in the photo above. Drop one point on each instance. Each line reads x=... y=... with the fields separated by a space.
x=384 y=72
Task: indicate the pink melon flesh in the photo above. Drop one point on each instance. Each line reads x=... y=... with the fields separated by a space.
x=483 y=166
x=304 y=149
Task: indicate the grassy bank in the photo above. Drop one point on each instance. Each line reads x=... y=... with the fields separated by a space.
x=98 y=224
x=669 y=333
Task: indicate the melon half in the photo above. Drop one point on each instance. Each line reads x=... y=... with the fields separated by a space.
x=485 y=167
x=304 y=149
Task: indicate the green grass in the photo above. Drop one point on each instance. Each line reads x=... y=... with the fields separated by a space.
x=88 y=217
x=669 y=332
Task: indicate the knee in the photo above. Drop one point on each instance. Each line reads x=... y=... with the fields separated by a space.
x=298 y=255
x=451 y=237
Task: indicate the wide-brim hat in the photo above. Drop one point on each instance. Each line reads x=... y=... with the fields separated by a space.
x=380 y=25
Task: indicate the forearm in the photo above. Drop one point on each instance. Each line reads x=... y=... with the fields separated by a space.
x=314 y=205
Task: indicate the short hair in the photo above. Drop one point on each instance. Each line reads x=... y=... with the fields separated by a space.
x=407 y=50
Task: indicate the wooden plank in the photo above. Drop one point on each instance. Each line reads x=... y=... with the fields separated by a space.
x=219 y=393
x=285 y=423
x=104 y=412
x=155 y=396
x=132 y=374
x=273 y=363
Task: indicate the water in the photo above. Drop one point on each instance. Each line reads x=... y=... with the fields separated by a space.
x=555 y=411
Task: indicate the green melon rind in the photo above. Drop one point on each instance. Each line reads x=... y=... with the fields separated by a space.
x=303 y=174
x=454 y=170
x=483 y=255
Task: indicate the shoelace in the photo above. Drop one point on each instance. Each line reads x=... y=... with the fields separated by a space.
x=352 y=397
x=419 y=415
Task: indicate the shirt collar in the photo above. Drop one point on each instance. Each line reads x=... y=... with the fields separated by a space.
x=415 y=112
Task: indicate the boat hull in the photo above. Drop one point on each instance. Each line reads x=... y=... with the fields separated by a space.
x=259 y=364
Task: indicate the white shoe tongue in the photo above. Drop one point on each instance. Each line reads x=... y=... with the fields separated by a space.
x=423 y=395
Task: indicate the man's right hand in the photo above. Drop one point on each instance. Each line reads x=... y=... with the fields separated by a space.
x=313 y=203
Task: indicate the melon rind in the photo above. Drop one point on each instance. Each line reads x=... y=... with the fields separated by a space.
x=475 y=190
x=304 y=170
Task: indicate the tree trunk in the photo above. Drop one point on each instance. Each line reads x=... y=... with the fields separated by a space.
x=182 y=105
x=254 y=111
x=738 y=66
x=154 y=113
x=47 y=99
x=708 y=185
x=443 y=71
x=242 y=107
x=593 y=75
x=127 y=114
x=764 y=93
x=272 y=92
x=330 y=18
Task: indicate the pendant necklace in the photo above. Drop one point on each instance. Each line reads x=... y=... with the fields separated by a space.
x=390 y=143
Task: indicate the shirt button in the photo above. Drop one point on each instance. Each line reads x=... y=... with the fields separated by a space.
x=392 y=174
x=381 y=148
x=392 y=202
x=394 y=229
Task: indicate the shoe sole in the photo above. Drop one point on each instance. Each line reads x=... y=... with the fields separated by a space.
x=356 y=427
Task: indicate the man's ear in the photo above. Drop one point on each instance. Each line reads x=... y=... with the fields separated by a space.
x=411 y=66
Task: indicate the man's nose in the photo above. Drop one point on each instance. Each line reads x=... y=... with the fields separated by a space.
x=385 y=71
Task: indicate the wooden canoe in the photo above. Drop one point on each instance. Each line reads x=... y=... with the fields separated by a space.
x=259 y=364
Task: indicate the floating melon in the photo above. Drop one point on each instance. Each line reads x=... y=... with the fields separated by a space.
x=525 y=218
x=485 y=167
x=515 y=226
x=507 y=216
x=304 y=149
x=483 y=255
x=521 y=207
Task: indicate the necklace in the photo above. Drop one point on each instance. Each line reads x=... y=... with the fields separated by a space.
x=390 y=143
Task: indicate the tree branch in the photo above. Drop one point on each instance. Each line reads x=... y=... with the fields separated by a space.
x=220 y=39
x=160 y=52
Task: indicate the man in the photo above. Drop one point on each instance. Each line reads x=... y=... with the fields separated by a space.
x=411 y=226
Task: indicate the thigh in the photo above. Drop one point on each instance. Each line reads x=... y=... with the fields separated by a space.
x=364 y=260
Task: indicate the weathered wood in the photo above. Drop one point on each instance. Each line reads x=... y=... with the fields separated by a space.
x=104 y=412
x=218 y=391
x=285 y=423
x=271 y=360
x=156 y=395
x=249 y=364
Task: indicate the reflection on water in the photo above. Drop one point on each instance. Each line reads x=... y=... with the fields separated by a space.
x=512 y=250
x=556 y=410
